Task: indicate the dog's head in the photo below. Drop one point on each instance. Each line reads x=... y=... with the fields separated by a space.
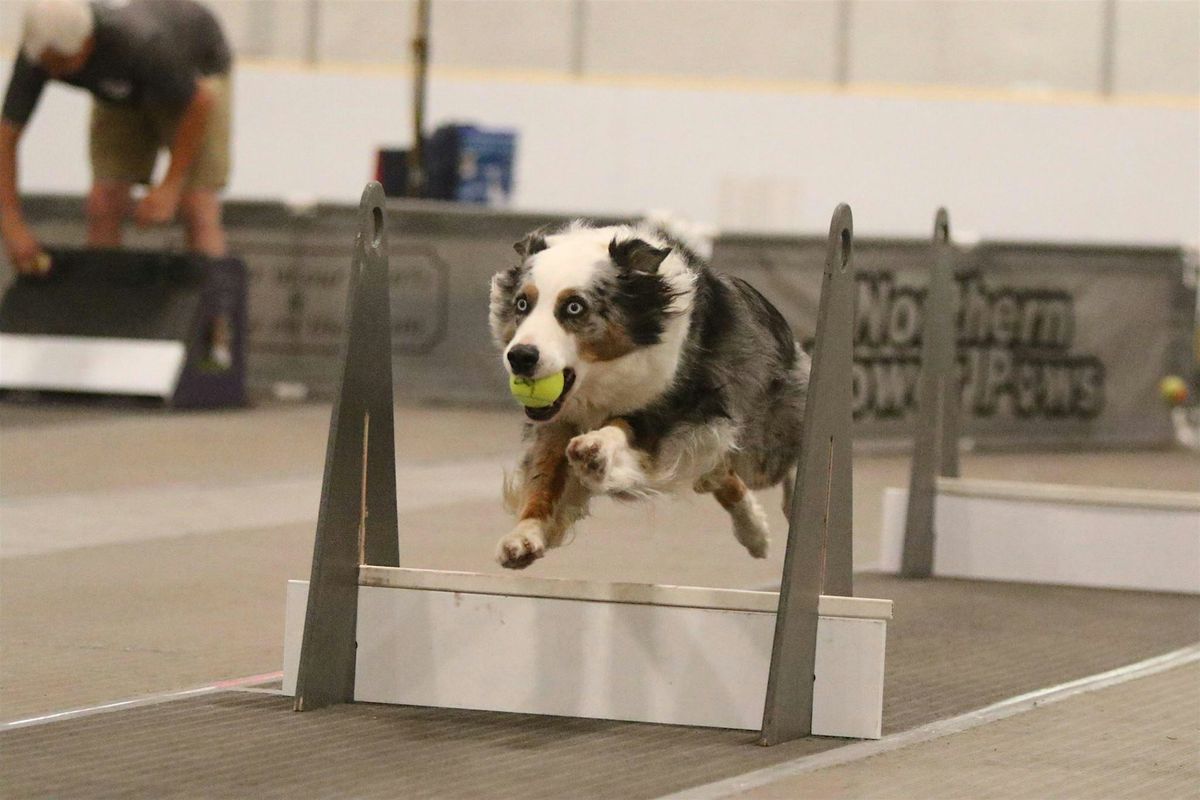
x=607 y=307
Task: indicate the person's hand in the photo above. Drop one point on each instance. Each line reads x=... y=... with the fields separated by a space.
x=159 y=205
x=22 y=247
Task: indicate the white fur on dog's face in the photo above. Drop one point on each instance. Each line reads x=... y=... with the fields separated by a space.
x=568 y=265
x=573 y=262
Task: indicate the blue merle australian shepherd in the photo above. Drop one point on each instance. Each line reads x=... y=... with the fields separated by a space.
x=675 y=376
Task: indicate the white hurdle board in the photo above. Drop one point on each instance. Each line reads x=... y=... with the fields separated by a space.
x=146 y=367
x=1048 y=533
x=647 y=653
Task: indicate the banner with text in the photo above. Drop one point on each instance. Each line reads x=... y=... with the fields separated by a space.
x=1059 y=345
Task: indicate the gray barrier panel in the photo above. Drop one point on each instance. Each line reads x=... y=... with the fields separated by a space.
x=1059 y=345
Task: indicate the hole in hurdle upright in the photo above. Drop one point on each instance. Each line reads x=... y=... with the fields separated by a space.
x=935 y=446
x=819 y=555
x=356 y=523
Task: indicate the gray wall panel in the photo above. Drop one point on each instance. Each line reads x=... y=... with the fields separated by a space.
x=1158 y=47
x=481 y=34
x=1053 y=44
x=992 y=44
x=276 y=29
x=502 y=34
x=712 y=38
x=367 y=32
x=10 y=24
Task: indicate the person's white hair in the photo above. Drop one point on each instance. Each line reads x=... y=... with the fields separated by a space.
x=61 y=25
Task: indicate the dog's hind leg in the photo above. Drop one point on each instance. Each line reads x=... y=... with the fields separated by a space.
x=750 y=526
x=789 y=486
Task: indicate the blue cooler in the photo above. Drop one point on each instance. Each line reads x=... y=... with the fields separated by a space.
x=471 y=165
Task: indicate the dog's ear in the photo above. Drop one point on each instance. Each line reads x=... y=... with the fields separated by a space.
x=534 y=242
x=637 y=255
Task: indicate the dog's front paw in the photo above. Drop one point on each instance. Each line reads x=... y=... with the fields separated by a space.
x=526 y=544
x=589 y=456
x=603 y=461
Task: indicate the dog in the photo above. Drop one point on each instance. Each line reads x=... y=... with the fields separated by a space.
x=675 y=377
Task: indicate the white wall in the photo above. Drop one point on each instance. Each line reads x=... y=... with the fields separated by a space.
x=760 y=159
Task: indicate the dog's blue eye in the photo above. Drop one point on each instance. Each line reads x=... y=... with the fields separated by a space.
x=574 y=308
x=522 y=305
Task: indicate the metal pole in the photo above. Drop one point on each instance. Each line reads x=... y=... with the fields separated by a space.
x=312 y=43
x=1108 y=48
x=260 y=21
x=578 y=37
x=841 y=55
x=420 y=51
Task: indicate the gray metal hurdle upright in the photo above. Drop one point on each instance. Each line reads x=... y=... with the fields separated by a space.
x=935 y=447
x=820 y=557
x=357 y=522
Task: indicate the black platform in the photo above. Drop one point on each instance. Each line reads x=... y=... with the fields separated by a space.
x=142 y=296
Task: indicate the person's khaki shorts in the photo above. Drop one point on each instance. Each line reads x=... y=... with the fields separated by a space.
x=125 y=140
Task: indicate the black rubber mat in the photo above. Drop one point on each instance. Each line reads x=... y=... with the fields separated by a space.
x=954 y=646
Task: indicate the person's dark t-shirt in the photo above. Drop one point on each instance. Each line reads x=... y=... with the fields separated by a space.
x=147 y=52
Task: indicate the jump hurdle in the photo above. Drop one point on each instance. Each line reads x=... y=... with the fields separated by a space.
x=1020 y=531
x=806 y=660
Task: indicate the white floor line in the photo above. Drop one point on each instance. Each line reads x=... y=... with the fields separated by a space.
x=731 y=787
x=235 y=684
x=49 y=523
x=256 y=690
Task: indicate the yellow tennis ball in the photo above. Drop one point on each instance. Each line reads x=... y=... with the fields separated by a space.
x=1173 y=390
x=536 y=394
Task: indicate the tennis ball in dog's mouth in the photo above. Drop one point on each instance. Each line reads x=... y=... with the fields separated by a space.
x=537 y=393
x=1174 y=390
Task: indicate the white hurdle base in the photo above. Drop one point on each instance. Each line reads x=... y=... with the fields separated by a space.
x=665 y=654
x=148 y=367
x=1045 y=533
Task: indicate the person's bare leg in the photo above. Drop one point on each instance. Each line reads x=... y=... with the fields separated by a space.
x=107 y=206
x=201 y=212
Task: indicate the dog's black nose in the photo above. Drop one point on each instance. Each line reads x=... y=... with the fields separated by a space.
x=523 y=359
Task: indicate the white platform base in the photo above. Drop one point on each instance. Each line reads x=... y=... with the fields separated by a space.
x=146 y=367
x=666 y=654
x=1071 y=535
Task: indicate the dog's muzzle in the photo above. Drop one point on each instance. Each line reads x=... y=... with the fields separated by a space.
x=523 y=360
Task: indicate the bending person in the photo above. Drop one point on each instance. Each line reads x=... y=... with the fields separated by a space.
x=159 y=73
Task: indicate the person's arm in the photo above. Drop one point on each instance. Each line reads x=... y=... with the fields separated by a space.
x=24 y=89
x=19 y=242
x=161 y=202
